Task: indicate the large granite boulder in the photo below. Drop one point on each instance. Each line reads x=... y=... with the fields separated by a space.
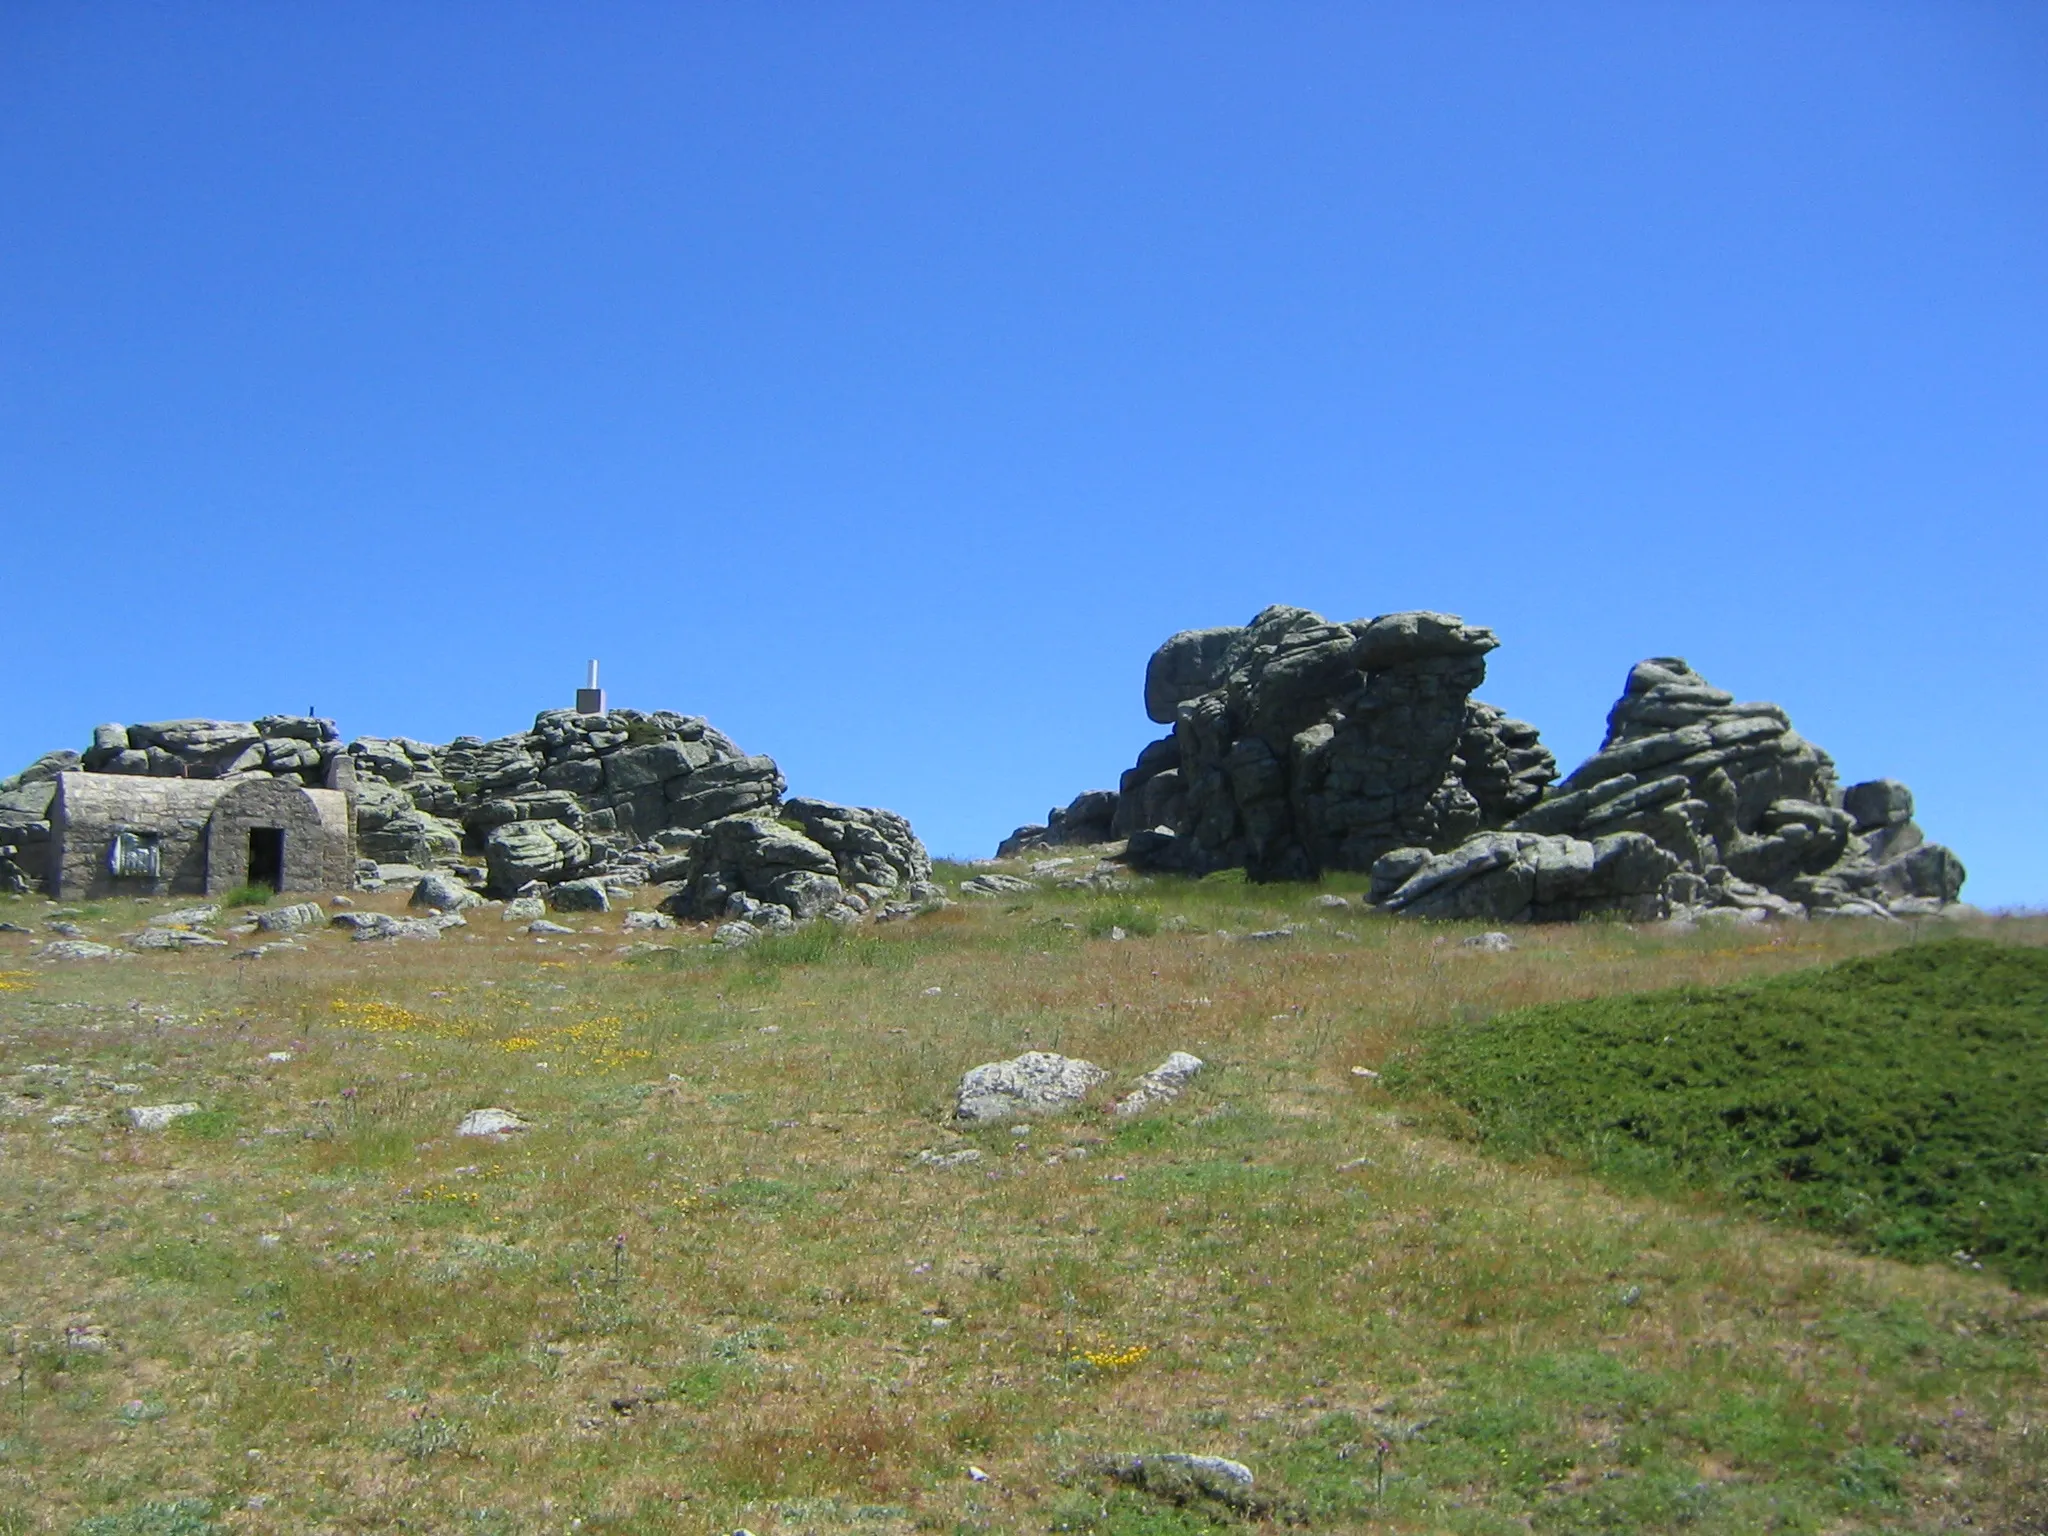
x=521 y=851
x=875 y=854
x=818 y=860
x=1090 y=817
x=1301 y=745
x=760 y=859
x=276 y=746
x=43 y=770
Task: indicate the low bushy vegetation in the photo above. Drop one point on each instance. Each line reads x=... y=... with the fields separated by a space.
x=1900 y=1099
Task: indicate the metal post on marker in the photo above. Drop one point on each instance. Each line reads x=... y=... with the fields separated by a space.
x=590 y=698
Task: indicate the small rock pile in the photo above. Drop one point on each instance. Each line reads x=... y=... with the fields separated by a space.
x=1300 y=745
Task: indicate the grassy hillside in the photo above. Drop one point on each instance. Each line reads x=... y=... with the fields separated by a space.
x=1901 y=1099
x=715 y=1284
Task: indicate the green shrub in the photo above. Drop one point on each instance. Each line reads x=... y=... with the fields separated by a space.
x=1895 y=1100
x=248 y=896
x=206 y=1125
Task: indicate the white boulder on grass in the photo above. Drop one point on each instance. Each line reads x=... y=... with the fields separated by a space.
x=155 y=1117
x=1036 y=1083
x=1162 y=1084
x=74 y=949
x=490 y=1122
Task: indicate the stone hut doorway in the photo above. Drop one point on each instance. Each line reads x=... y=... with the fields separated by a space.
x=266 y=857
x=276 y=833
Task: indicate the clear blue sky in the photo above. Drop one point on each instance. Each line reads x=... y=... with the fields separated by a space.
x=884 y=381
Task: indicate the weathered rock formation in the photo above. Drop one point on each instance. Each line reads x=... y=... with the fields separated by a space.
x=1301 y=745
x=623 y=798
x=1694 y=802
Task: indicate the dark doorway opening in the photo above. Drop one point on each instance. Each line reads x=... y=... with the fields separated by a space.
x=266 y=857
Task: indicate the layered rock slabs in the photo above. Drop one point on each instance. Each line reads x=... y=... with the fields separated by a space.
x=1300 y=745
x=1694 y=804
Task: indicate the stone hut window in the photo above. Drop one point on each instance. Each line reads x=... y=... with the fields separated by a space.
x=135 y=856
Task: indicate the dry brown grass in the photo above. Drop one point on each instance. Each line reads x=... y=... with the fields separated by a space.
x=804 y=1330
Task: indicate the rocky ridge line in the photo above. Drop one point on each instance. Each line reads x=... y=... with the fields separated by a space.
x=1300 y=745
x=619 y=799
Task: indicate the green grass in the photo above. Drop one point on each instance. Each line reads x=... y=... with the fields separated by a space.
x=1900 y=1100
x=716 y=1285
x=175 y=1517
x=248 y=896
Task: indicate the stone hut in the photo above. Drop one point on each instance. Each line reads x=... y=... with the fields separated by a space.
x=128 y=835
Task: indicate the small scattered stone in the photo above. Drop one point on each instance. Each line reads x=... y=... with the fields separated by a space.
x=1490 y=943
x=154 y=1117
x=735 y=934
x=1269 y=934
x=490 y=1122
x=1162 y=1084
x=995 y=883
x=931 y=1159
x=542 y=925
x=278 y=1056
x=381 y=925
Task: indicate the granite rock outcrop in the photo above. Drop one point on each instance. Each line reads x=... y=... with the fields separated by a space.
x=1694 y=803
x=1300 y=745
x=623 y=798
